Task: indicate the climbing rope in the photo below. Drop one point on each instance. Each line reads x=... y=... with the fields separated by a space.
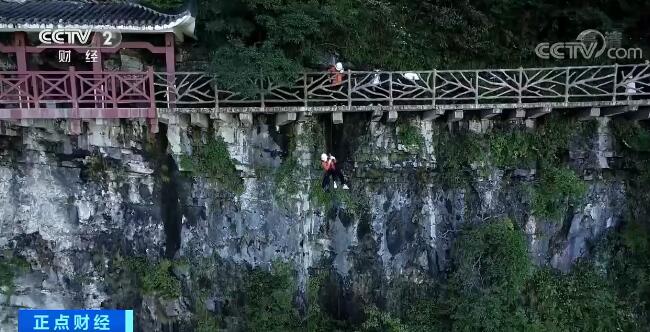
x=330 y=145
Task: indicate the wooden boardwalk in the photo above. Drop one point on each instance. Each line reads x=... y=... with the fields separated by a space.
x=523 y=92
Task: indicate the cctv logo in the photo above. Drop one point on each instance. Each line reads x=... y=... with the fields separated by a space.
x=65 y=36
x=77 y=37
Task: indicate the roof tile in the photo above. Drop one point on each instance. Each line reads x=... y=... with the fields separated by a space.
x=69 y=12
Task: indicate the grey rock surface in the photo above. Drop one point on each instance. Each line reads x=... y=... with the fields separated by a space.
x=69 y=223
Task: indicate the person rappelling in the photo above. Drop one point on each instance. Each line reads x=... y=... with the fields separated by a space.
x=328 y=162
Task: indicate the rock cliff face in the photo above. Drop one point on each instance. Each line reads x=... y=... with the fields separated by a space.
x=70 y=207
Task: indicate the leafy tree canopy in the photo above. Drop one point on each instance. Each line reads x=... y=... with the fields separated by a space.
x=279 y=37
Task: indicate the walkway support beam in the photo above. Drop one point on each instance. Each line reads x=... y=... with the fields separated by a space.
x=282 y=119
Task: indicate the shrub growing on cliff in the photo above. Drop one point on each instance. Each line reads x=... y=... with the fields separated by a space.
x=491 y=267
x=156 y=279
x=409 y=136
x=456 y=155
x=286 y=184
x=513 y=149
x=335 y=198
x=213 y=161
x=10 y=267
x=581 y=300
x=268 y=299
x=557 y=188
x=629 y=265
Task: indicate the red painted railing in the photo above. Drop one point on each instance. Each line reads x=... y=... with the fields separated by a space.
x=76 y=94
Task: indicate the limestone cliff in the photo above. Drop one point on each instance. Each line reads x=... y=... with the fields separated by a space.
x=73 y=207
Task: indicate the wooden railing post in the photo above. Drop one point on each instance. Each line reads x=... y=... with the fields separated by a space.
x=35 y=91
x=477 y=92
x=74 y=120
x=216 y=93
x=305 y=90
x=521 y=84
x=114 y=91
x=73 y=91
x=566 y=85
x=433 y=95
x=390 y=89
x=152 y=113
x=349 y=90
x=615 y=82
x=262 y=91
x=21 y=65
x=152 y=94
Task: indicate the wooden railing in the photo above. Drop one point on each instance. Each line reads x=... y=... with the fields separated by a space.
x=528 y=87
x=108 y=94
x=47 y=94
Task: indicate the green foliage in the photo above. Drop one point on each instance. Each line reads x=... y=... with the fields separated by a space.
x=557 y=188
x=491 y=256
x=207 y=323
x=254 y=38
x=286 y=179
x=268 y=299
x=238 y=64
x=424 y=314
x=276 y=38
x=543 y=147
x=513 y=149
x=10 y=267
x=334 y=198
x=156 y=279
x=493 y=287
x=455 y=155
x=381 y=321
x=490 y=270
x=631 y=137
x=409 y=136
x=317 y=319
x=286 y=184
x=629 y=265
x=581 y=299
x=459 y=156
x=213 y=161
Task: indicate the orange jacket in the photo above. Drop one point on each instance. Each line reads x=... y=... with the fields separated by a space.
x=328 y=165
x=337 y=77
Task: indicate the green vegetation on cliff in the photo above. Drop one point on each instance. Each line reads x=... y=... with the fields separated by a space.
x=462 y=157
x=151 y=278
x=212 y=160
x=558 y=187
x=493 y=287
x=628 y=251
x=10 y=267
x=491 y=267
x=582 y=299
x=409 y=136
x=267 y=299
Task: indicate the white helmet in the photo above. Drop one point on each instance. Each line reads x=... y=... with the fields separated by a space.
x=339 y=66
x=323 y=157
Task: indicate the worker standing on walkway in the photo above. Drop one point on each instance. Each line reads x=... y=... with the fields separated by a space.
x=328 y=162
x=337 y=74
